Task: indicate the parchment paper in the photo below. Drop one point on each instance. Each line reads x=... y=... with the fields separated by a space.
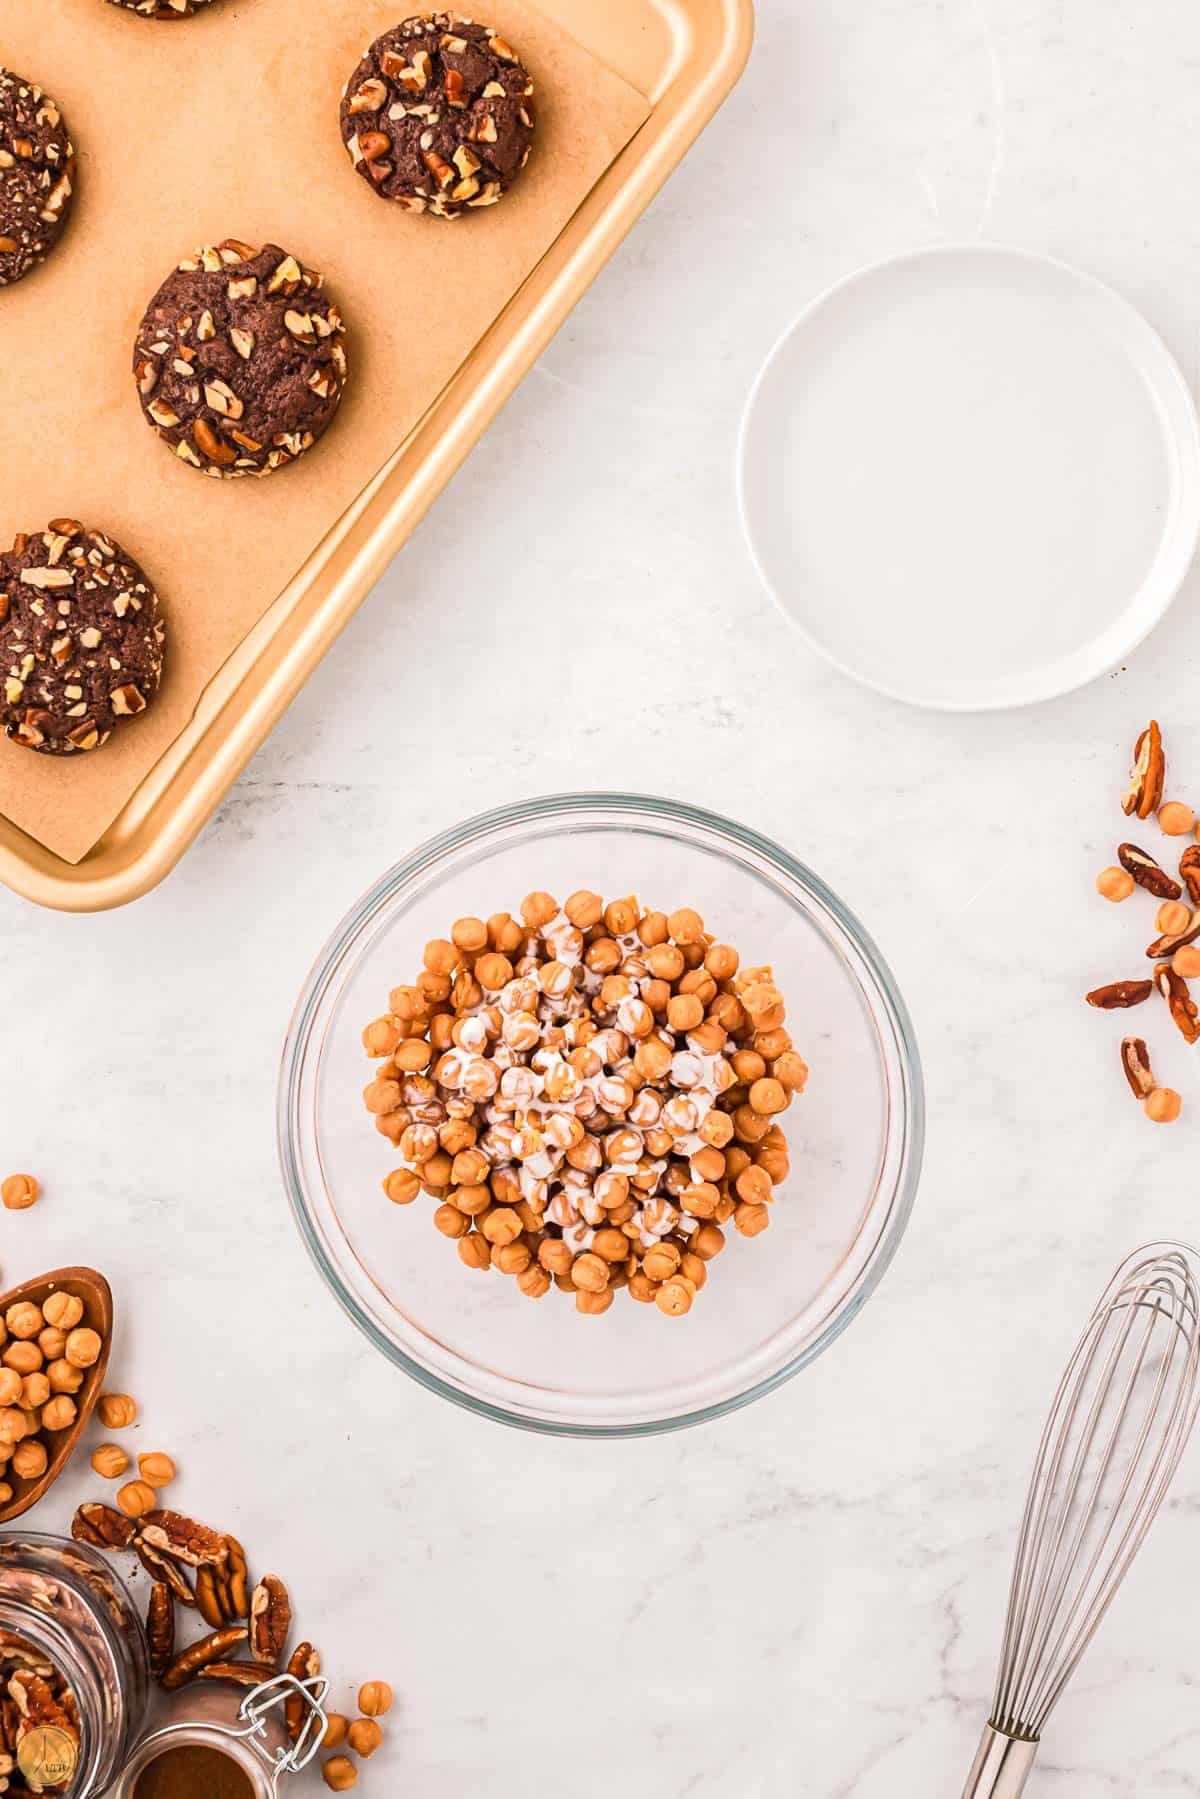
x=226 y=125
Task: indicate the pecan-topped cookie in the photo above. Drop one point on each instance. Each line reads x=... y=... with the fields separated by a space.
x=439 y=115
x=239 y=360
x=36 y=168
x=163 y=9
x=81 y=640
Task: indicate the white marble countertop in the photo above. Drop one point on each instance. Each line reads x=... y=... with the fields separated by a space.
x=806 y=1598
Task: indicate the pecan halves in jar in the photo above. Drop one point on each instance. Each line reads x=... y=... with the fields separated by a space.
x=102 y=1527
x=270 y=1620
x=1183 y=1009
x=1144 y=792
x=37 y=1704
x=183 y=1540
x=1135 y=1060
x=305 y=1664
x=1119 y=995
x=215 y=1648
x=1147 y=872
x=1189 y=872
x=1166 y=946
x=160 y=1628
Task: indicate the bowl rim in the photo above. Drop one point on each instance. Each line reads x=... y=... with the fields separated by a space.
x=1160 y=584
x=490 y=824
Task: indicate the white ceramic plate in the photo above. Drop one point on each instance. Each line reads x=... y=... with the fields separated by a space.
x=971 y=477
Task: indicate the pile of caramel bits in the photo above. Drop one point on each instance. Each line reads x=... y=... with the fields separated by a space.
x=1173 y=951
x=589 y=1093
x=45 y=1354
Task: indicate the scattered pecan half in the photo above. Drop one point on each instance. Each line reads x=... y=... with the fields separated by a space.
x=102 y=1527
x=1166 y=946
x=171 y=1534
x=305 y=1664
x=1146 y=778
x=215 y=1648
x=242 y=1674
x=1135 y=1060
x=222 y=1591
x=208 y=1599
x=1189 y=872
x=1174 y=990
x=160 y=1628
x=238 y=1579
x=1120 y=994
x=161 y=1567
x=1147 y=872
x=270 y=1620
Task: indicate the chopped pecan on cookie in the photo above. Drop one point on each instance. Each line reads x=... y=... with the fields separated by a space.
x=439 y=115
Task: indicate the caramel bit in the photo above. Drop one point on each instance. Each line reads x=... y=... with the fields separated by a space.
x=19 y=1191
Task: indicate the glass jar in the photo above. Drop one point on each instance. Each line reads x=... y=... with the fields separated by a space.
x=210 y=1718
x=62 y=1605
x=247 y=1751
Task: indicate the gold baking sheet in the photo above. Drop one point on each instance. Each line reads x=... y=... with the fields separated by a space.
x=226 y=125
x=685 y=56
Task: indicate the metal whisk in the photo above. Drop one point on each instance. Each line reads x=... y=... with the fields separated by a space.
x=1117 y=1428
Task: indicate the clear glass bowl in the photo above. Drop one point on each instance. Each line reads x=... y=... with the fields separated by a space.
x=773 y=1302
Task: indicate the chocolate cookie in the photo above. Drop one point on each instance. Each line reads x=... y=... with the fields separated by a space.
x=163 y=9
x=81 y=642
x=36 y=166
x=439 y=115
x=239 y=360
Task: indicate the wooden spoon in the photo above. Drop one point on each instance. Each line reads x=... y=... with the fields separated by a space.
x=94 y=1291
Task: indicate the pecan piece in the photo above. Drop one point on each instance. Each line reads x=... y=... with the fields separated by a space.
x=1135 y=1060
x=238 y=1578
x=160 y=1628
x=222 y=1591
x=160 y=1567
x=171 y=1534
x=35 y=1702
x=304 y=1665
x=270 y=1620
x=1166 y=946
x=1147 y=872
x=103 y=1527
x=1120 y=994
x=1184 y=1011
x=189 y=1663
x=209 y=1599
x=1144 y=792
x=242 y=1674
x=1189 y=872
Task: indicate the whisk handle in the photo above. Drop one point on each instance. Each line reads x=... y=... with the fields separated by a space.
x=1001 y=1767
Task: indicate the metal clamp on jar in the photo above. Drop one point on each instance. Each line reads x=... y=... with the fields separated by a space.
x=217 y=1743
